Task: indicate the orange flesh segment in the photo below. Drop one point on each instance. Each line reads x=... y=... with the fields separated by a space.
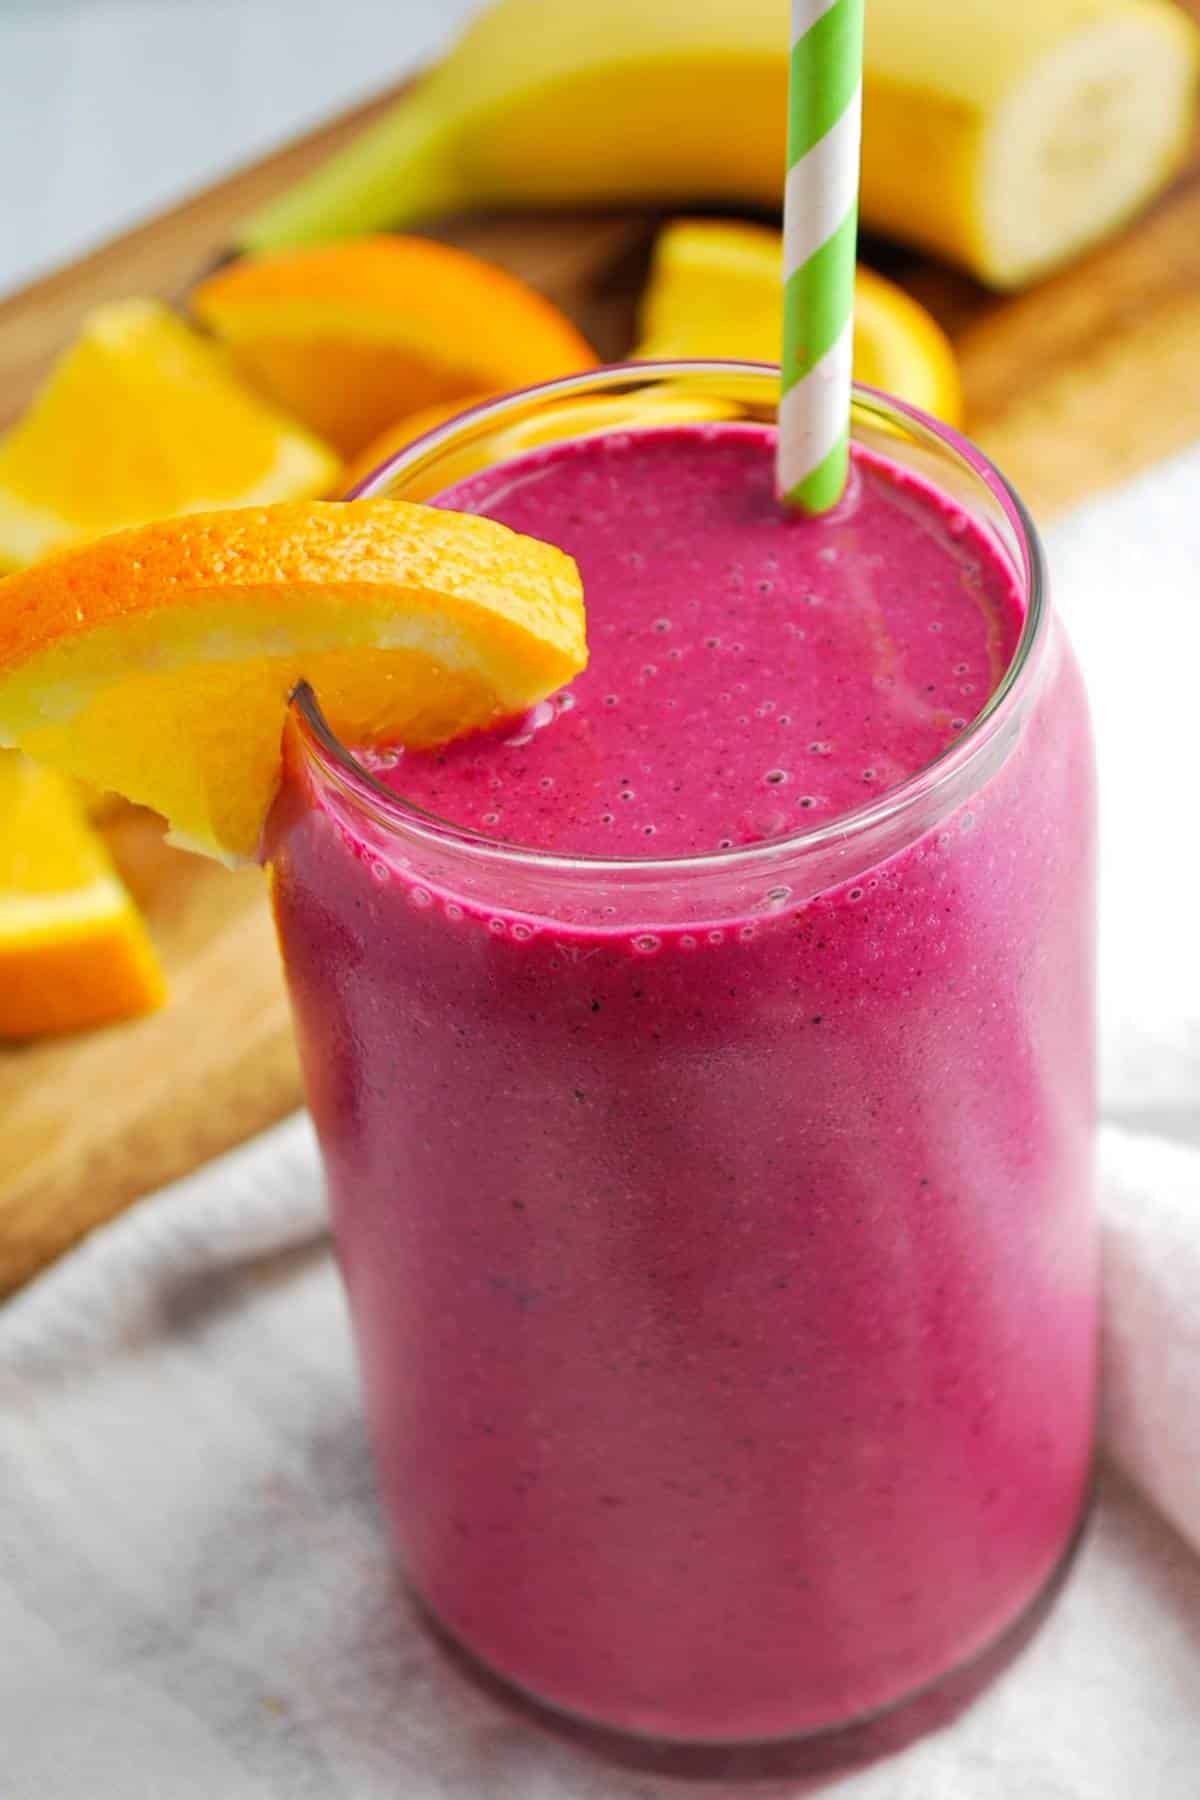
x=142 y=418
x=73 y=951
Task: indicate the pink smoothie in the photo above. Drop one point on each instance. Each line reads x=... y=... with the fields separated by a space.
x=724 y=1278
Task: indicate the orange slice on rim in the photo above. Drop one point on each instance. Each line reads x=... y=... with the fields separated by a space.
x=159 y=662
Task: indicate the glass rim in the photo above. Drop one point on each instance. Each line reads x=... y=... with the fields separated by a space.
x=407 y=820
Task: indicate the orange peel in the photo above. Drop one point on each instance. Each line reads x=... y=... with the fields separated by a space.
x=352 y=336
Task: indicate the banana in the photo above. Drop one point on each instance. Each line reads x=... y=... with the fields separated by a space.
x=1005 y=135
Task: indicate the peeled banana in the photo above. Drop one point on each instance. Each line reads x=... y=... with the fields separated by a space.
x=1003 y=134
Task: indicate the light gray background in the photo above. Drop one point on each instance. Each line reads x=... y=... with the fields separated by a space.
x=111 y=109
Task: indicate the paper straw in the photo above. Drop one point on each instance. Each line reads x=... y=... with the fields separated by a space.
x=820 y=221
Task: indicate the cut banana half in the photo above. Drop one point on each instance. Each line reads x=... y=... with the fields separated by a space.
x=1004 y=134
x=1009 y=138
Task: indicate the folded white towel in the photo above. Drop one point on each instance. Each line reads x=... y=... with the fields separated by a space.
x=1151 y=1383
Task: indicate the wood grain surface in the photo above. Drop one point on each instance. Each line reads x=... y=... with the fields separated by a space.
x=1071 y=387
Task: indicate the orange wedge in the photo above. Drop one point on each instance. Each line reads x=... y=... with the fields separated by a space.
x=716 y=289
x=140 y=419
x=159 y=662
x=550 y=422
x=352 y=336
x=73 y=950
x=404 y=432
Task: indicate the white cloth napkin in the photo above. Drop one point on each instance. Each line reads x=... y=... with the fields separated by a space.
x=196 y=1595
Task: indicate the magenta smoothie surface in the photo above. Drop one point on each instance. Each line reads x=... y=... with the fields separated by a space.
x=724 y=1281
x=750 y=675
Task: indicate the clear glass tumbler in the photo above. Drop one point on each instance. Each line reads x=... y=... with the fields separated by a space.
x=658 y=1450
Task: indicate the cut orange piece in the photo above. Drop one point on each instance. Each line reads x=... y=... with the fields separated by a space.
x=548 y=422
x=73 y=950
x=353 y=336
x=141 y=419
x=898 y=347
x=159 y=662
x=404 y=432
x=716 y=290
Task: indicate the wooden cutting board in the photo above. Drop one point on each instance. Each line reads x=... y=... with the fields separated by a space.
x=1071 y=388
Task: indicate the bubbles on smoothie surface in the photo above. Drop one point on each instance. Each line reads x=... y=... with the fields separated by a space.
x=750 y=675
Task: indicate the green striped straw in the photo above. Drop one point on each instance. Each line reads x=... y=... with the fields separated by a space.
x=820 y=222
